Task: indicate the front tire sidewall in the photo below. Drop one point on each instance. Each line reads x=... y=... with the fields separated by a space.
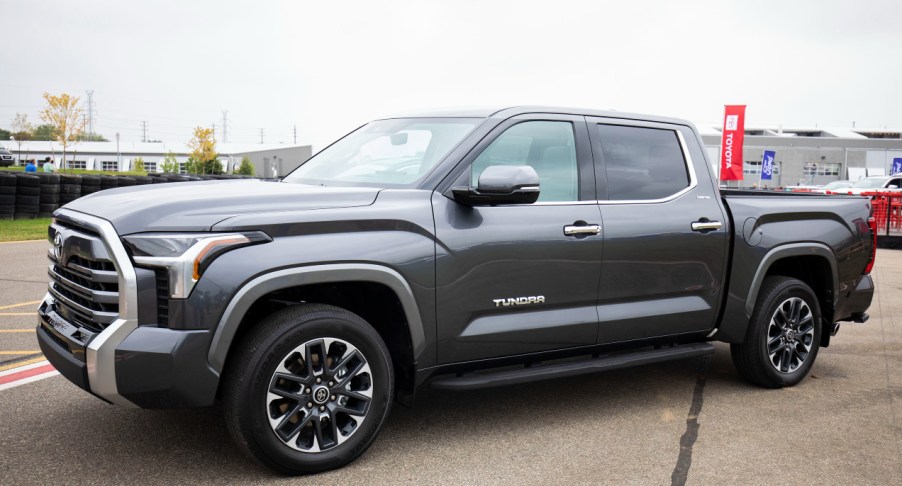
x=267 y=357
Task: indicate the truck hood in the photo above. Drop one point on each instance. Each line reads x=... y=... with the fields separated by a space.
x=197 y=206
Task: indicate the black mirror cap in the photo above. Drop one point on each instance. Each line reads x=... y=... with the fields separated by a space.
x=501 y=184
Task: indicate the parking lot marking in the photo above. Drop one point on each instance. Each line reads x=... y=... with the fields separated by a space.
x=26 y=374
x=15 y=353
x=15 y=330
x=22 y=304
x=17 y=363
x=18 y=313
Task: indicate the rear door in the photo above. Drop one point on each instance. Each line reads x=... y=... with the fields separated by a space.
x=516 y=279
x=665 y=238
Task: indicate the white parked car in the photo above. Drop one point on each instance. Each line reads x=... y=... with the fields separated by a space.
x=875 y=184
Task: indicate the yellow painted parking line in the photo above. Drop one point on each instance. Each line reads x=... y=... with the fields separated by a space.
x=18 y=313
x=18 y=352
x=21 y=363
x=23 y=304
x=15 y=330
x=22 y=241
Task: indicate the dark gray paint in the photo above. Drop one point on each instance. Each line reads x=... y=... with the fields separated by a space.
x=647 y=275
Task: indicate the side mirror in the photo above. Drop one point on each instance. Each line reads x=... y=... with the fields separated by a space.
x=892 y=186
x=501 y=184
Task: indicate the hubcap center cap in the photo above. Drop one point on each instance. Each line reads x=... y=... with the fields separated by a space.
x=320 y=395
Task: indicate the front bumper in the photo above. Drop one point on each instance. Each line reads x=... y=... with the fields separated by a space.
x=154 y=367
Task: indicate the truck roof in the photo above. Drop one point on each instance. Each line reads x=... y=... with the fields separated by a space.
x=505 y=112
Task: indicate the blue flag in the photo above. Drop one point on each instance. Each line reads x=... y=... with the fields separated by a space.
x=897 y=166
x=767 y=165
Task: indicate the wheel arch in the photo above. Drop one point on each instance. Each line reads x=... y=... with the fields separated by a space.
x=328 y=284
x=812 y=263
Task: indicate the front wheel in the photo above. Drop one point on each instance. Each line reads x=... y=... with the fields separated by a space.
x=309 y=389
x=783 y=337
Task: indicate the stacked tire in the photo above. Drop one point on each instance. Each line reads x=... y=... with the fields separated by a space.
x=50 y=194
x=7 y=195
x=142 y=180
x=28 y=196
x=90 y=184
x=70 y=188
x=108 y=182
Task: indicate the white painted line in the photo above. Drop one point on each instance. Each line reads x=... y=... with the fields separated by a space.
x=30 y=379
x=20 y=369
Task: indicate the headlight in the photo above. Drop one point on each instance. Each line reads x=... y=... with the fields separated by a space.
x=186 y=256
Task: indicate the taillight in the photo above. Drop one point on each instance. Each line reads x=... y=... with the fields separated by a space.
x=872 y=225
x=828 y=192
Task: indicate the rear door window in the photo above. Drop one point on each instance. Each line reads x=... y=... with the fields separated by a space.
x=642 y=163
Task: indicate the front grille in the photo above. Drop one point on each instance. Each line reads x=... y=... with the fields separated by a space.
x=83 y=280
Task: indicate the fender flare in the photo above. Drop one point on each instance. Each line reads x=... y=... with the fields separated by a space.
x=784 y=251
x=293 y=277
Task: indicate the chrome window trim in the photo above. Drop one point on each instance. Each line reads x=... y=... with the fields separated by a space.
x=693 y=182
x=100 y=354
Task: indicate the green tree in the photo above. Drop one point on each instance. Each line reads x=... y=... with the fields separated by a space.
x=170 y=165
x=246 y=167
x=138 y=164
x=44 y=132
x=4 y=134
x=92 y=137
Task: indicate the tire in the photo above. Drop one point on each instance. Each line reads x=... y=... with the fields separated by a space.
x=276 y=342
x=125 y=181
x=27 y=180
x=50 y=188
x=28 y=191
x=47 y=178
x=7 y=200
x=7 y=190
x=7 y=179
x=69 y=189
x=781 y=344
x=25 y=200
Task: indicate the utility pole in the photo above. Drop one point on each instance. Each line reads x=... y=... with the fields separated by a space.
x=91 y=111
x=213 y=127
x=225 y=125
x=261 y=136
x=143 y=130
x=295 y=134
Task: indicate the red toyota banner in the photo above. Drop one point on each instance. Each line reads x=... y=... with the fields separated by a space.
x=731 y=143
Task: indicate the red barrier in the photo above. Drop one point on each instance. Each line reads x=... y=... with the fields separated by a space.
x=887 y=211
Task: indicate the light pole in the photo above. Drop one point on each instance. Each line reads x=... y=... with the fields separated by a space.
x=118 y=155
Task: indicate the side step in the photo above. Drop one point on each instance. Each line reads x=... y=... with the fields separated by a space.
x=527 y=374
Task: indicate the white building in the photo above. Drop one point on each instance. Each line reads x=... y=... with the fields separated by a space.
x=269 y=159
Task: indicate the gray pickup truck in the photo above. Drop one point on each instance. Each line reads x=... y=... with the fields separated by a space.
x=458 y=250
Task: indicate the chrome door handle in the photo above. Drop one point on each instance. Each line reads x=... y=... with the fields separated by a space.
x=592 y=229
x=705 y=225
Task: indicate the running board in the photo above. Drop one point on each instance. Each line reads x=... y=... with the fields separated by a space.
x=527 y=374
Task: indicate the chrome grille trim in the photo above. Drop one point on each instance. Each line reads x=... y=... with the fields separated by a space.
x=100 y=354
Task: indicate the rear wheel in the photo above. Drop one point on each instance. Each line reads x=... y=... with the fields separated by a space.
x=309 y=389
x=783 y=336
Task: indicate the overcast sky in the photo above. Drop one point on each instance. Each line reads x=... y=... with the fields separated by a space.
x=329 y=66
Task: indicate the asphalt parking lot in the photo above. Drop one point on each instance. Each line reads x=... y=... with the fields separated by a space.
x=692 y=421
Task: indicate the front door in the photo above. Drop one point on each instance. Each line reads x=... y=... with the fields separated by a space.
x=516 y=279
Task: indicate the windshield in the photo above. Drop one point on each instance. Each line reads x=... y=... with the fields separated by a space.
x=395 y=152
x=870 y=183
